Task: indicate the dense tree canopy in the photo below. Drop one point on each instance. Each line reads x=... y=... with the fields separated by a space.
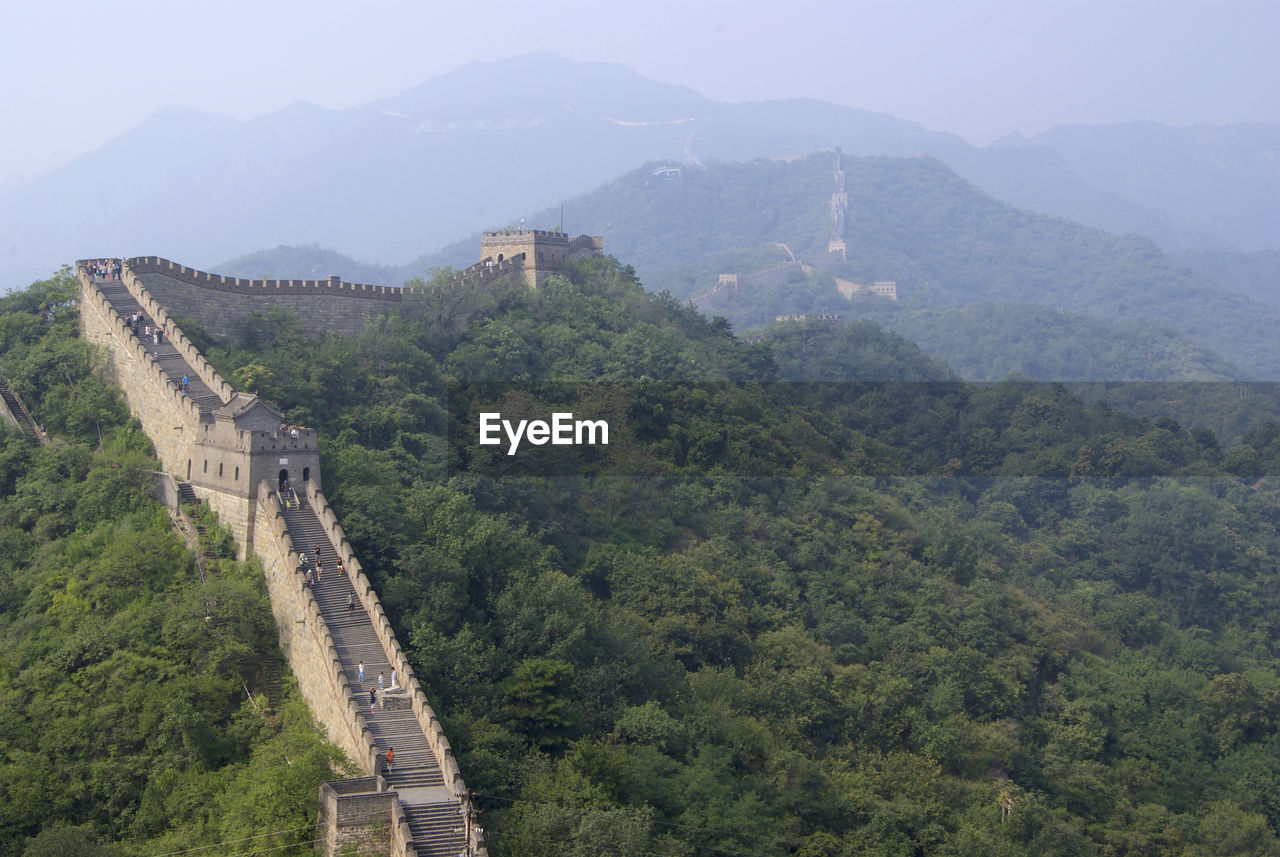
x=877 y=612
x=820 y=599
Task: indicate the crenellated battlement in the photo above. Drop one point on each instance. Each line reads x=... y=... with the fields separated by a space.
x=334 y=285
x=145 y=383
x=230 y=307
x=520 y=236
x=542 y=252
x=202 y=367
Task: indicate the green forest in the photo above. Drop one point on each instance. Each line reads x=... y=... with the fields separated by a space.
x=821 y=599
x=947 y=244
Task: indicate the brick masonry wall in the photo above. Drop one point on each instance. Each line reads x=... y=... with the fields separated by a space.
x=175 y=427
x=7 y=416
x=305 y=638
x=169 y=419
x=223 y=306
x=414 y=695
x=156 y=309
x=355 y=821
x=313 y=658
x=236 y=513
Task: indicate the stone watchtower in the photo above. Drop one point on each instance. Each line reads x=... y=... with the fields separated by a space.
x=243 y=445
x=543 y=252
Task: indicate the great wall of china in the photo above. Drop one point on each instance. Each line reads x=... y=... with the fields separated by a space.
x=231 y=450
x=778 y=274
x=224 y=305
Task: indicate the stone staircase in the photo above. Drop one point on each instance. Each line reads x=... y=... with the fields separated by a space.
x=432 y=821
x=431 y=811
x=275 y=686
x=187 y=494
x=165 y=354
x=19 y=411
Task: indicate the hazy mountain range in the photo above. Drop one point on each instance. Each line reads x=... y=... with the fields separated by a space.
x=476 y=148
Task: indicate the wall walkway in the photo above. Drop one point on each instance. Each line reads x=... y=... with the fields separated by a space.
x=324 y=640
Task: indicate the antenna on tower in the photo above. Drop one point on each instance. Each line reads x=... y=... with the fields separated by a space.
x=560 y=228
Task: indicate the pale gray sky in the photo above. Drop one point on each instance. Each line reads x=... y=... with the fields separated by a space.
x=78 y=72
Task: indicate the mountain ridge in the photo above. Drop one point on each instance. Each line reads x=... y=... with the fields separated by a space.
x=378 y=186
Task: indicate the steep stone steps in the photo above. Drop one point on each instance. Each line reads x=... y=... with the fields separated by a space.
x=187 y=494
x=438 y=829
x=433 y=815
x=165 y=353
x=19 y=411
x=437 y=826
x=274 y=690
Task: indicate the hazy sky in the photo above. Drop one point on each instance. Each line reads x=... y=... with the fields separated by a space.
x=77 y=72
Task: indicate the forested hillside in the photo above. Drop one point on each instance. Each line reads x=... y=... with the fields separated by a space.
x=888 y=613
x=945 y=242
x=126 y=728
x=990 y=341
x=1255 y=275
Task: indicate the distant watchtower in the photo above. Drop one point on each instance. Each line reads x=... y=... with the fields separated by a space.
x=542 y=252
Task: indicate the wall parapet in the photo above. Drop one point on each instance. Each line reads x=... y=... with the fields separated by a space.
x=522 y=236
x=260 y=288
x=594 y=243
x=422 y=710
x=354 y=735
x=360 y=815
x=305 y=439
x=486 y=271
x=765 y=273
x=130 y=346
x=174 y=334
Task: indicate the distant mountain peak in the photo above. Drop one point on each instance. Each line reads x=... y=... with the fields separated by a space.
x=542 y=83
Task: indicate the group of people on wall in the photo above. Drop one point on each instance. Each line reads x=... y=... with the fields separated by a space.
x=105 y=269
x=313 y=567
x=142 y=327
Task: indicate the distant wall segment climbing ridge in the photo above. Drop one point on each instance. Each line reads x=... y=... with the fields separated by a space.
x=151 y=396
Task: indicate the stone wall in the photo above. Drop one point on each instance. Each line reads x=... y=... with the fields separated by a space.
x=416 y=699
x=543 y=252
x=156 y=308
x=229 y=461
x=313 y=658
x=358 y=816
x=236 y=513
x=223 y=305
x=305 y=637
x=771 y=276
x=165 y=490
x=487 y=271
x=231 y=477
x=7 y=417
x=169 y=419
